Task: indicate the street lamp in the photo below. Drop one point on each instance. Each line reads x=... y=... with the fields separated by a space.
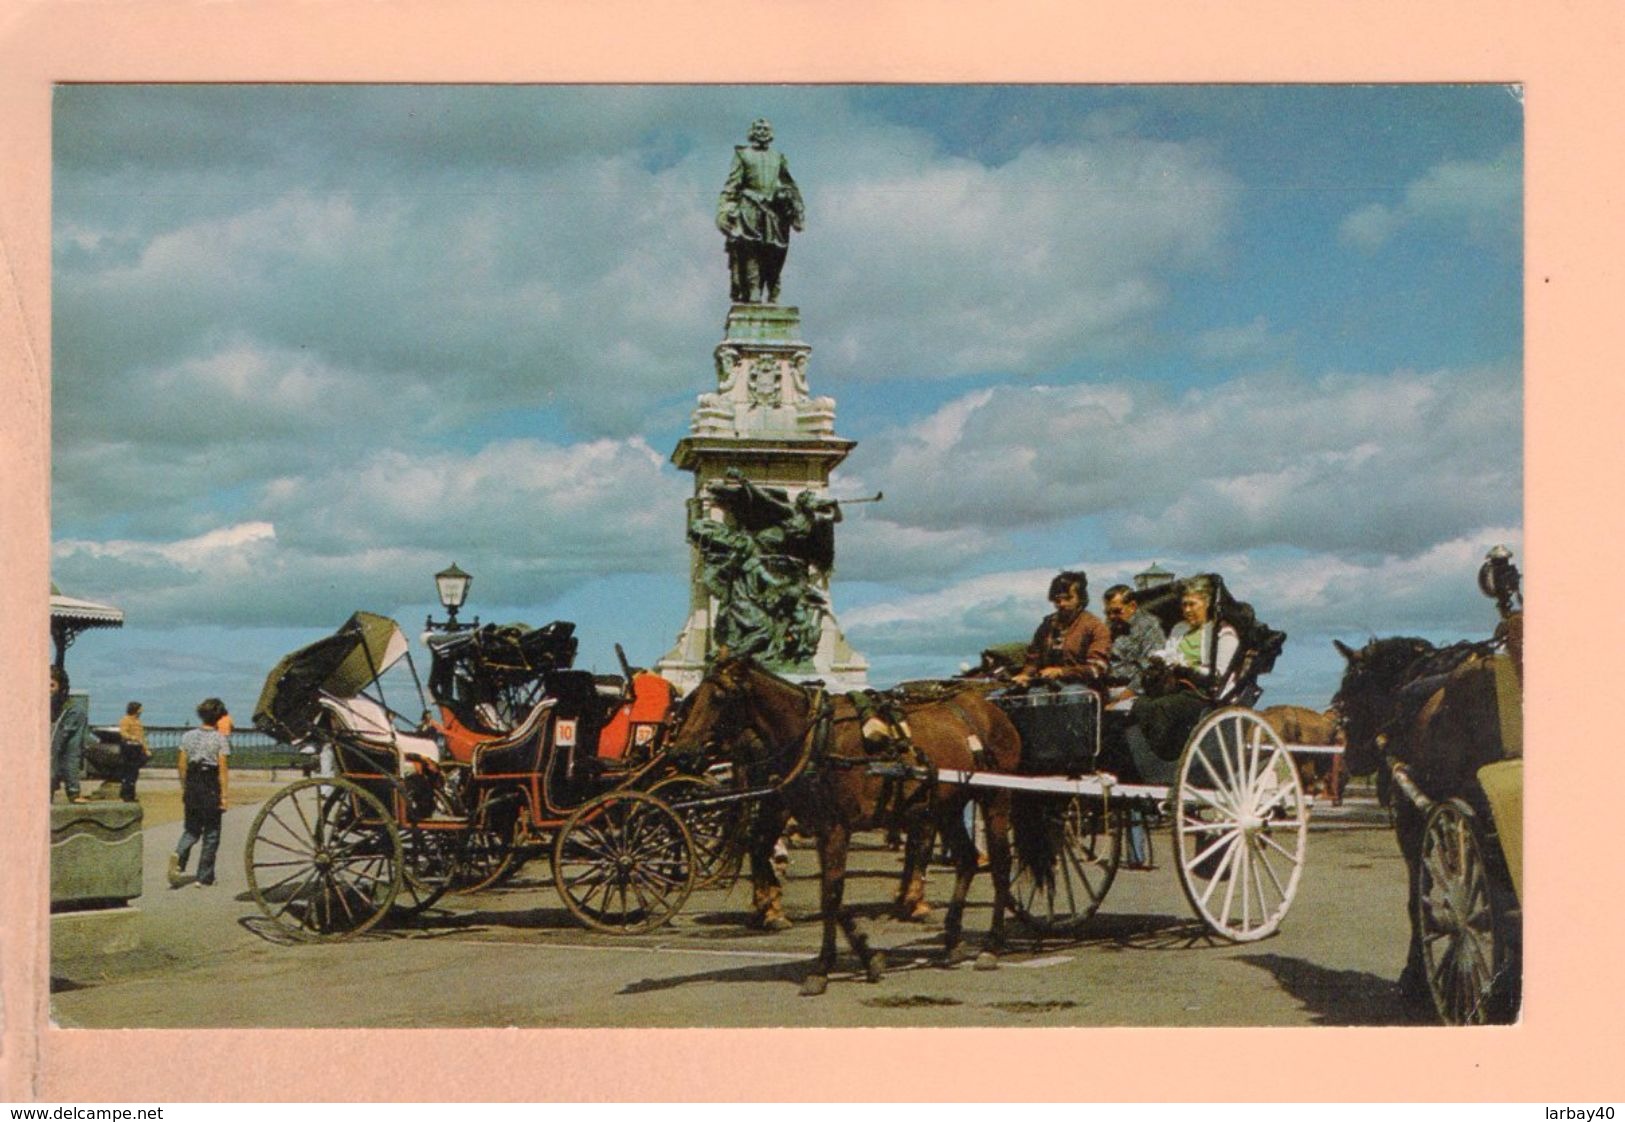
x=1498 y=579
x=452 y=585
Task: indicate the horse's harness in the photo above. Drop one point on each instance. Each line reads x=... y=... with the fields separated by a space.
x=812 y=755
x=1409 y=700
x=805 y=756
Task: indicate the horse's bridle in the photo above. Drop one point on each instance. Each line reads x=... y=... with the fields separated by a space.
x=813 y=746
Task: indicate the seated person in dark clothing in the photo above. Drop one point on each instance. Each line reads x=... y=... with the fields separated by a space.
x=1071 y=645
x=1195 y=661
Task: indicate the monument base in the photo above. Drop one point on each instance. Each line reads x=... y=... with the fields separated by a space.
x=763 y=422
x=835 y=663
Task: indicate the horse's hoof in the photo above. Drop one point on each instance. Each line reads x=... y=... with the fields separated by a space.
x=917 y=912
x=875 y=968
x=815 y=985
x=777 y=923
x=987 y=960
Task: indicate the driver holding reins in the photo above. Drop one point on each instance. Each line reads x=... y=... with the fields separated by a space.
x=1071 y=645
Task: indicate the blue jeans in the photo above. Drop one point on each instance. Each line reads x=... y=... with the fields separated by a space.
x=210 y=836
x=1139 y=849
x=202 y=802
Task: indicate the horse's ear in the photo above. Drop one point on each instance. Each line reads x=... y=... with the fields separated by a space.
x=1350 y=655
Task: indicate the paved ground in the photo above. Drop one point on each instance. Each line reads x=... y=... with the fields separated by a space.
x=513 y=956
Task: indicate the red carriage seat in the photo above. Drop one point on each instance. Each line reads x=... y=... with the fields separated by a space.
x=635 y=724
x=461 y=739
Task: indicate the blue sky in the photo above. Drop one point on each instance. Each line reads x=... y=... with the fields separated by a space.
x=313 y=343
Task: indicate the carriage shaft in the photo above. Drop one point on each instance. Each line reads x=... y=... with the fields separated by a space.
x=1098 y=785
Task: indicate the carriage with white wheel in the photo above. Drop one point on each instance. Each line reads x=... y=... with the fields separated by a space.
x=406 y=809
x=1232 y=801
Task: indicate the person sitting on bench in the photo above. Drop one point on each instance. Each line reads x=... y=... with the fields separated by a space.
x=1189 y=670
x=1071 y=644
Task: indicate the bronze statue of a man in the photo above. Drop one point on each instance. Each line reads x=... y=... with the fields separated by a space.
x=759 y=206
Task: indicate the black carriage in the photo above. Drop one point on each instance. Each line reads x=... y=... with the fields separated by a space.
x=1467 y=910
x=519 y=756
x=1235 y=809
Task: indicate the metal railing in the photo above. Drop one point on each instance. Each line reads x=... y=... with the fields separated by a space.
x=250 y=748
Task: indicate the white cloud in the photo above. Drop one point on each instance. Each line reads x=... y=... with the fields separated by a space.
x=1351 y=464
x=874 y=548
x=468 y=285
x=1482 y=196
x=1369 y=227
x=1240 y=342
x=533 y=519
x=953 y=267
x=1313 y=597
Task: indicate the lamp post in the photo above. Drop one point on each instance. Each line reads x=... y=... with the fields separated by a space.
x=452 y=584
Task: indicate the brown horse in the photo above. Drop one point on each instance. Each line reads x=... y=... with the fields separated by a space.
x=1435 y=713
x=808 y=746
x=1297 y=724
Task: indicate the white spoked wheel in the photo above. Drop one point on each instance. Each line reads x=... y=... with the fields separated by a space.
x=1056 y=893
x=1456 y=917
x=1241 y=825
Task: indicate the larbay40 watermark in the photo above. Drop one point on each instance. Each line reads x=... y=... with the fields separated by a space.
x=1581 y=1113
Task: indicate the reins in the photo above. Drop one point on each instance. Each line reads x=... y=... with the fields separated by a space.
x=812 y=746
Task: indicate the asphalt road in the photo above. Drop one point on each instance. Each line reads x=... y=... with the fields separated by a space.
x=513 y=956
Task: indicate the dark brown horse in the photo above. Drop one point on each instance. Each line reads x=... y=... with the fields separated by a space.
x=808 y=745
x=1436 y=714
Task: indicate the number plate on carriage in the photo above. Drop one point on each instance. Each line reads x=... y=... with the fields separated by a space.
x=564 y=733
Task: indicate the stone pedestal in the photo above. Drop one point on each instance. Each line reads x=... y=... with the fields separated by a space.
x=762 y=421
x=96 y=854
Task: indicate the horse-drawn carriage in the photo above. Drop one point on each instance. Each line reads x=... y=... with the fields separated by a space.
x=1446 y=724
x=1234 y=804
x=1232 y=800
x=524 y=753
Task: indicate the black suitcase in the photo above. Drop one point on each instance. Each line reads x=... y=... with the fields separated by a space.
x=1060 y=728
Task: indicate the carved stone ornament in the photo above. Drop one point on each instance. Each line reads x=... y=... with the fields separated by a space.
x=766 y=387
x=727 y=368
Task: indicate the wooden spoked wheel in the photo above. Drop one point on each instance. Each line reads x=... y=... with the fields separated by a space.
x=1456 y=918
x=623 y=863
x=1054 y=892
x=431 y=847
x=429 y=859
x=488 y=858
x=717 y=830
x=487 y=855
x=1241 y=825
x=324 y=859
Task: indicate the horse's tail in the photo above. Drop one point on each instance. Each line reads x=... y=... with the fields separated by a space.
x=1032 y=822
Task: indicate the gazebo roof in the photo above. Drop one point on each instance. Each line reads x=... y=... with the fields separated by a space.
x=81 y=614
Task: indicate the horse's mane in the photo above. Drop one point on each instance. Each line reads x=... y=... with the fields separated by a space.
x=1389 y=680
x=1396 y=661
x=755 y=669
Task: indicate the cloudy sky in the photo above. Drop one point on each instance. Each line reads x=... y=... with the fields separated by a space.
x=311 y=344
